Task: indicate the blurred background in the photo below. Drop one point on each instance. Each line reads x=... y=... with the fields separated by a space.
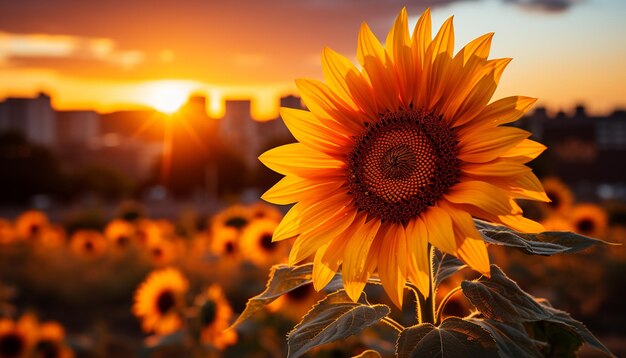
x=153 y=114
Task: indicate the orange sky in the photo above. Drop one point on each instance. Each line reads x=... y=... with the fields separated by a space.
x=117 y=54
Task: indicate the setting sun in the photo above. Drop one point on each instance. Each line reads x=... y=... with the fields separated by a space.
x=167 y=96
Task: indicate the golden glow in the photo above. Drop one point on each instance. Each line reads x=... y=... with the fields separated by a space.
x=167 y=96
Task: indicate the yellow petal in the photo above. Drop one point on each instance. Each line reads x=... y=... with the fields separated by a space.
x=356 y=256
x=525 y=151
x=308 y=130
x=302 y=161
x=502 y=111
x=471 y=246
x=398 y=46
x=418 y=255
x=308 y=242
x=323 y=272
x=368 y=46
x=392 y=262
x=483 y=195
x=496 y=168
x=348 y=82
x=490 y=144
x=525 y=186
x=304 y=217
x=481 y=94
x=291 y=189
x=328 y=107
x=436 y=62
x=422 y=38
x=439 y=226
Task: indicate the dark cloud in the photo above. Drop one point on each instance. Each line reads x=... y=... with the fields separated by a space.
x=545 y=5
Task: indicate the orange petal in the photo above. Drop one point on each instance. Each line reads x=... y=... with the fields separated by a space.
x=302 y=161
x=292 y=189
x=418 y=255
x=483 y=195
x=308 y=130
x=392 y=262
x=439 y=226
x=489 y=144
x=357 y=260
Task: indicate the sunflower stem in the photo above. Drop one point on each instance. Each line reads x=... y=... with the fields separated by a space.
x=393 y=324
x=426 y=306
x=443 y=302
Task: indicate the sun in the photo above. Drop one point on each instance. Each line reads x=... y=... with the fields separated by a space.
x=167 y=96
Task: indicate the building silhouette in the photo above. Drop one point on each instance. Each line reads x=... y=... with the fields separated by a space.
x=33 y=117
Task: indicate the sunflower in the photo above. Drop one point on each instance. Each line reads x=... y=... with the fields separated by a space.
x=257 y=245
x=88 y=243
x=214 y=317
x=225 y=242
x=588 y=219
x=235 y=216
x=560 y=195
x=264 y=211
x=30 y=224
x=162 y=251
x=17 y=338
x=51 y=342
x=158 y=301
x=400 y=155
x=120 y=233
x=53 y=236
x=147 y=230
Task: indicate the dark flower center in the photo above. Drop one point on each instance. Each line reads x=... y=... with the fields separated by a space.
x=402 y=164
x=88 y=246
x=11 y=345
x=585 y=226
x=208 y=312
x=266 y=242
x=237 y=222
x=229 y=247
x=157 y=252
x=166 y=301
x=34 y=230
x=122 y=240
x=47 y=349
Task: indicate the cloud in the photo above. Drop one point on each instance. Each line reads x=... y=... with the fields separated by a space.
x=43 y=46
x=545 y=5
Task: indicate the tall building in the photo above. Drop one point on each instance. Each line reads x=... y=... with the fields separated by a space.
x=238 y=129
x=33 y=117
x=77 y=127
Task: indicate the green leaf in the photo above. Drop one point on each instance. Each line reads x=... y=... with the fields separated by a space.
x=501 y=299
x=282 y=279
x=511 y=338
x=453 y=338
x=369 y=354
x=444 y=266
x=546 y=243
x=333 y=318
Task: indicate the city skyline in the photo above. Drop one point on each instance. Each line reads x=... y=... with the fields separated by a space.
x=565 y=52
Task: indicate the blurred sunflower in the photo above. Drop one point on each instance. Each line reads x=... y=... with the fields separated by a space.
x=560 y=195
x=30 y=224
x=225 y=242
x=400 y=155
x=555 y=222
x=214 y=317
x=162 y=252
x=264 y=211
x=589 y=220
x=159 y=299
x=120 y=233
x=7 y=232
x=235 y=216
x=146 y=231
x=17 y=338
x=88 y=244
x=257 y=245
x=51 y=342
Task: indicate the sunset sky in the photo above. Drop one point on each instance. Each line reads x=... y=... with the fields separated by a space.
x=115 y=54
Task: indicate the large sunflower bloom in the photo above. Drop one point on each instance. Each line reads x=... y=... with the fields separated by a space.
x=159 y=299
x=399 y=154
